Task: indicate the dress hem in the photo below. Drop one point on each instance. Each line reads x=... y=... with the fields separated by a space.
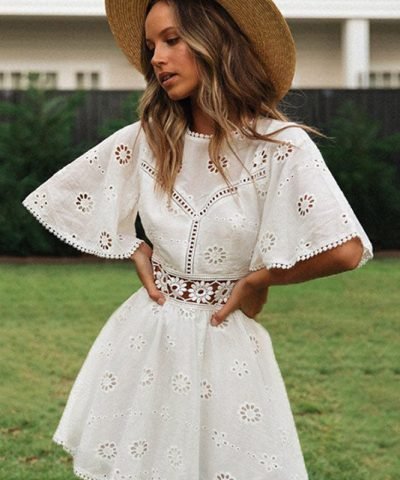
x=79 y=472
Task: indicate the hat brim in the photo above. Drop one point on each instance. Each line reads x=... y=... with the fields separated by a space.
x=260 y=20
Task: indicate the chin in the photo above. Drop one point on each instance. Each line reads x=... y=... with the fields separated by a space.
x=176 y=96
x=181 y=95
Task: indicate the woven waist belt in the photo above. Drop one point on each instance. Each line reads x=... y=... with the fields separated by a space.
x=200 y=292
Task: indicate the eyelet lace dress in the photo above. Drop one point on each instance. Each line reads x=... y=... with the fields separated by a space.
x=163 y=394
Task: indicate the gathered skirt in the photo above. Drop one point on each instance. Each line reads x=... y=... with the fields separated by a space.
x=164 y=395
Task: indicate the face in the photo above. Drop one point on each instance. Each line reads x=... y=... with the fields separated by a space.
x=170 y=54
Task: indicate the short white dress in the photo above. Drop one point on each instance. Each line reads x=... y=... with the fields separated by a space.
x=163 y=394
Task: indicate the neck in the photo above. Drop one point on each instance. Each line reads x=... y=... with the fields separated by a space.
x=201 y=123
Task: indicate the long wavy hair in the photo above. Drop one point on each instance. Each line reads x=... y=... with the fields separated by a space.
x=224 y=57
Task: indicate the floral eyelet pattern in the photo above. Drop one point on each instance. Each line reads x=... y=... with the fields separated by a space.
x=106 y=350
x=137 y=343
x=92 y=156
x=224 y=476
x=222 y=293
x=40 y=200
x=215 y=255
x=139 y=448
x=178 y=286
x=205 y=390
x=199 y=292
x=123 y=154
x=270 y=462
x=147 y=377
x=305 y=204
x=108 y=382
x=240 y=368
x=256 y=344
x=105 y=241
x=268 y=241
x=262 y=189
x=283 y=152
x=249 y=413
x=161 y=281
x=84 y=203
x=224 y=162
x=108 y=450
x=175 y=457
x=181 y=383
x=260 y=158
x=170 y=343
x=219 y=439
x=238 y=222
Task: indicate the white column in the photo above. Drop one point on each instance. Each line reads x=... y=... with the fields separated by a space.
x=356 y=53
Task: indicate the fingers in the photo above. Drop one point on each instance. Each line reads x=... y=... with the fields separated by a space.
x=244 y=297
x=145 y=273
x=144 y=268
x=230 y=306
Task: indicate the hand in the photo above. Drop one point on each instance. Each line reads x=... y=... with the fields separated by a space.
x=245 y=296
x=144 y=268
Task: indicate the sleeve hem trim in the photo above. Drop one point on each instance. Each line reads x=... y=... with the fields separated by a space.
x=367 y=254
x=79 y=246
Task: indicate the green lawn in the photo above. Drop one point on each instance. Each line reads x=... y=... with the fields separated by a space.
x=336 y=340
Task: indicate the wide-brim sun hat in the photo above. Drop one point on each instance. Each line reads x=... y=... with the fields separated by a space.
x=260 y=20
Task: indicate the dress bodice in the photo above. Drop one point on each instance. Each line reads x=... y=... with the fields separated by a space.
x=282 y=204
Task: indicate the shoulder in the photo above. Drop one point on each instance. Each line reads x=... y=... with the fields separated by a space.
x=284 y=132
x=127 y=135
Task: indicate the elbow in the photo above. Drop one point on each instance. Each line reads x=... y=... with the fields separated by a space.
x=351 y=254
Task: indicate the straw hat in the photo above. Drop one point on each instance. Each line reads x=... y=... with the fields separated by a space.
x=260 y=20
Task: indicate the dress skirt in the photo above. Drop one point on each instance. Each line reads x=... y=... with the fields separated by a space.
x=164 y=395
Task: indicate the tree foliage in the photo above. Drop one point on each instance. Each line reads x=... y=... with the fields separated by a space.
x=35 y=141
x=364 y=165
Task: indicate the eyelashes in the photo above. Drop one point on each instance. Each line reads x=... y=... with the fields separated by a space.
x=169 y=41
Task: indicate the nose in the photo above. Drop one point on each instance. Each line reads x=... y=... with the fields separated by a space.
x=158 y=57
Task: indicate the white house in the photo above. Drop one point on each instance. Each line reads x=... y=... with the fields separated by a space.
x=340 y=44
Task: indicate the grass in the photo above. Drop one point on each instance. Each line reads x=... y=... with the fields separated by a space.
x=336 y=340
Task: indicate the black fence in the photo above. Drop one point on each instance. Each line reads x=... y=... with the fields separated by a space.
x=310 y=106
x=30 y=156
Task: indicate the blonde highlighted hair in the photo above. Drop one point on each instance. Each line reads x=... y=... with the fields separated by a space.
x=234 y=85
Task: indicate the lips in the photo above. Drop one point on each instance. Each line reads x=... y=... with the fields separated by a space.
x=164 y=77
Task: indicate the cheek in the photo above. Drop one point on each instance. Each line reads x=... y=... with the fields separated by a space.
x=187 y=58
x=192 y=67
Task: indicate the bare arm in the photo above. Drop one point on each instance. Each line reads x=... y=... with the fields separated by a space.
x=340 y=259
x=250 y=293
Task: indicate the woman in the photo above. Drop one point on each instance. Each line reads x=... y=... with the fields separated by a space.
x=182 y=382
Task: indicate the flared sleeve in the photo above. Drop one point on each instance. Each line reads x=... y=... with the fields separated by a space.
x=304 y=211
x=92 y=202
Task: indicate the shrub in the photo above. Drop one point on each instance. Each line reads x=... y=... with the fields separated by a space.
x=129 y=115
x=362 y=162
x=35 y=141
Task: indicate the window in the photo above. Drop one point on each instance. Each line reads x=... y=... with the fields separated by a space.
x=384 y=79
x=21 y=80
x=87 y=80
x=16 y=80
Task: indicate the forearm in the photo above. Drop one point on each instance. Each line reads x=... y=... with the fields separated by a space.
x=340 y=259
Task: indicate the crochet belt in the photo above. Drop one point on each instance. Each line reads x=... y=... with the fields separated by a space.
x=199 y=292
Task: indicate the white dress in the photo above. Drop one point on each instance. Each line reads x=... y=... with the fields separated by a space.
x=163 y=394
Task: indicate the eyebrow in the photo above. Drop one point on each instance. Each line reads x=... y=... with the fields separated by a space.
x=162 y=31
